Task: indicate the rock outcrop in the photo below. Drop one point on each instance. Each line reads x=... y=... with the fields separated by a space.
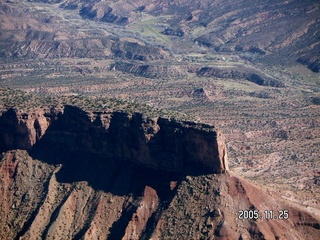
x=101 y=12
x=21 y=130
x=163 y=71
x=137 y=51
x=312 y=64
x=235 y=73
x=158 y=143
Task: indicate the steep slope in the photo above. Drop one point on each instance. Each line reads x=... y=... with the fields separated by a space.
x=37 y=203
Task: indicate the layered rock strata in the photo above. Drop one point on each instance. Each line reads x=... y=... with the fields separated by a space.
x=158 y=142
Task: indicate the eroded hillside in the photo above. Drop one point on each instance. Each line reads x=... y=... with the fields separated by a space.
x=42 y=201
x=270 y=29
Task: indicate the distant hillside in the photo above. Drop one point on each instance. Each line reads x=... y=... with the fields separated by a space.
x=271 y=31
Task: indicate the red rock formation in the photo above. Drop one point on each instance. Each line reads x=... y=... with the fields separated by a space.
x=147 y=206
x=211 y=207
x=22 y=130
x=159 y=143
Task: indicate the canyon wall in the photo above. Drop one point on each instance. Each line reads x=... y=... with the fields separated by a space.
x=154 y=142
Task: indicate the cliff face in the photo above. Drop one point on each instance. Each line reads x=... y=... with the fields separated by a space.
x=150 y=71
x=159 y=143
x=21 y=130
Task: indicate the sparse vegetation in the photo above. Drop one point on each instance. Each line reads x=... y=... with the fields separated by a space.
x=23 y=101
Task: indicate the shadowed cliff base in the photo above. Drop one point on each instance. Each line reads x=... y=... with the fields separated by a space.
x=112 y=175
x=121 y=178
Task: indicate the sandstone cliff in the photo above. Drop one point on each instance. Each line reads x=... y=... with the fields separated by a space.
x=159 y=143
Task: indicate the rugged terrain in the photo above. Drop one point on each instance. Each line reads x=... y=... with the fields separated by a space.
x=97 y=175
x=249 y=68
x=40 y=201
